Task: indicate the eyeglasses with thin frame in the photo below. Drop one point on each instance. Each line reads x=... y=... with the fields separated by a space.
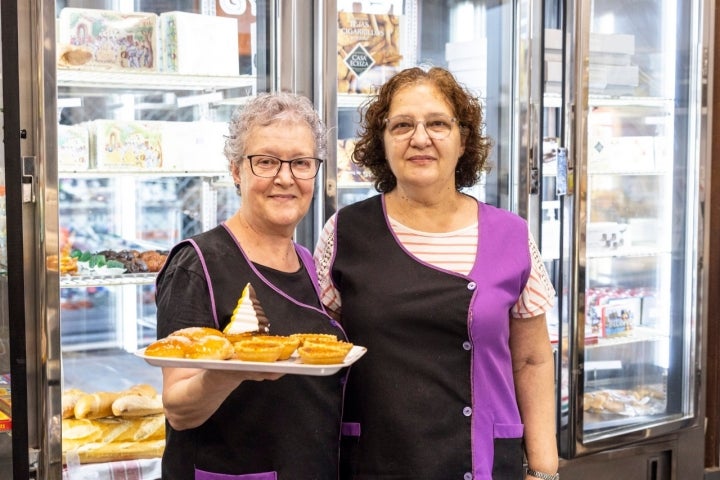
x=437 y=126
x=268 y=166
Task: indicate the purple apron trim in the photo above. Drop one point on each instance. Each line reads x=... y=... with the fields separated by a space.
x=502 y=240
x=207 y=279
x=350 y=429
x=202 y=475
x=508 y=430
x=307 y=260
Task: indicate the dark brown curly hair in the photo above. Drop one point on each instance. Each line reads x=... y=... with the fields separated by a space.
x=369 y=150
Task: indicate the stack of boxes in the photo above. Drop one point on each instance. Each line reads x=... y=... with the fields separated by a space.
x=611 y=71
x=5 y=404
x=468 y=63
x=173 y=42
x=142 y=145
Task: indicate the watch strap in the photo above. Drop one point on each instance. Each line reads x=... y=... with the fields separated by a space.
x=543 y=476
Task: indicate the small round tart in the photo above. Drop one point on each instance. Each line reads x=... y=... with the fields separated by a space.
x=344 y=347
x=211 y=347
x=238 y=337
x=258 y=350
x=289 y=344
x=322 y=354
x=171 y=347
x=316 y=337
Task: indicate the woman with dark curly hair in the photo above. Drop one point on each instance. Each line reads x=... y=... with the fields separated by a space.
x=448 y=294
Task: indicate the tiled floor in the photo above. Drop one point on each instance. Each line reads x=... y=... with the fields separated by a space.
x=108 y=370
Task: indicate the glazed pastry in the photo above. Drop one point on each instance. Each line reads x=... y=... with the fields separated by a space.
x=171 y=347
x=211 y=347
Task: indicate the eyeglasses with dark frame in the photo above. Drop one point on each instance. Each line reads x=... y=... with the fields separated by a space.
x=438 y=126
x=268 y=166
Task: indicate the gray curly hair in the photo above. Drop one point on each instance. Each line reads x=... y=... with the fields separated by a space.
x=265 y=109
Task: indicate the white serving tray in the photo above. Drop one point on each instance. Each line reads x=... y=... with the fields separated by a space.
x=293 y=365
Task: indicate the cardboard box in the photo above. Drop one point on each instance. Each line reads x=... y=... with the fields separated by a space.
x=197 y=44
x=194 y=146
x=368 y=50
x=5 y=422
x=612 y=43
x=73 y=147
x=116 y=40
x=622 y=154
x=127 y=145
x=619 y=317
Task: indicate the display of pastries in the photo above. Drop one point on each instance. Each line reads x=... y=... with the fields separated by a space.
x=211 y=344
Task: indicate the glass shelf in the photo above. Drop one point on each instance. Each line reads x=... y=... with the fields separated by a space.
x=71 y=281
x=119 y=80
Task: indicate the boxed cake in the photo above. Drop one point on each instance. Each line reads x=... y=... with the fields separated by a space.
x=198 y=44
x=194 y=146
x=468 y=63
x=127 y=145
x=73 y=147
x=369 y=47
x=108 y=39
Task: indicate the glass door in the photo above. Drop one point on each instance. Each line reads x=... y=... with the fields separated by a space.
x=143 y=96
x=6 y=443
x=476 y=40
x=18 y=447
x=623 y=201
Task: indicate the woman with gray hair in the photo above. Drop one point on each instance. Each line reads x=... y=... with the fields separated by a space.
x=228 y=424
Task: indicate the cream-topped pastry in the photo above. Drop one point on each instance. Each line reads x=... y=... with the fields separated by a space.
x=248 y=317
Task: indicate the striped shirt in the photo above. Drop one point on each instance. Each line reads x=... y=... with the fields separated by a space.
x=453 y=251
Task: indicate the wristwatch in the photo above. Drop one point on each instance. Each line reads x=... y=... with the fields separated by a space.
x=543 y=476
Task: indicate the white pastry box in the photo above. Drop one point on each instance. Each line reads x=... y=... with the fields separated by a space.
x=73 y=147
x=196 y=44
x=127 y=145
x=468 y=63
x=194 y=146
x=115 y=40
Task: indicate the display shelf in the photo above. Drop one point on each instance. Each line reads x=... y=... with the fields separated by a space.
x=355 y=185
x=71 y=281
x=346 y=100
x=623 y=252
x=639 y=334
x=626 y=173
x=128 y=80
x=143 y=173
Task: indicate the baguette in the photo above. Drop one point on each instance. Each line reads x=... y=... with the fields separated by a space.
x=69 y=400
x=137 y=406
x=95 y=405
x=99 y=404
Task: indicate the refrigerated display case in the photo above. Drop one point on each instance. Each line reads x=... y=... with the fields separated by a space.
x=122 y=109
x=481 y=42
x=624 y=142
x=140 y=166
